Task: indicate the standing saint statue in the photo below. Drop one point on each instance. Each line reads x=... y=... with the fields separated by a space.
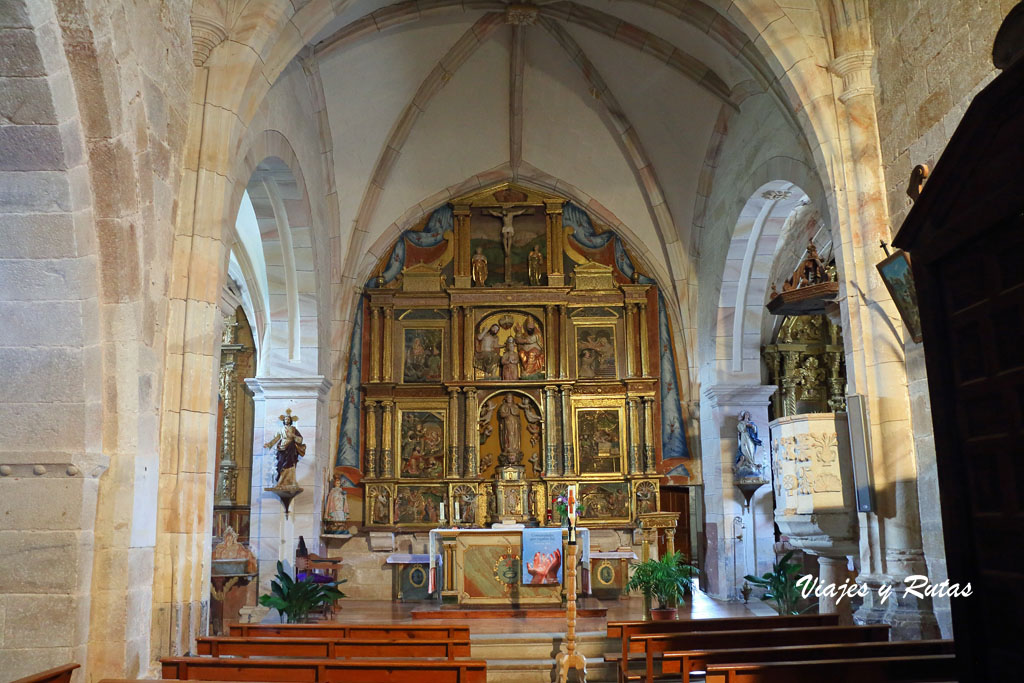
x=479 y=266
x=289 y=449
x=508 y=431
x=536 y=264
x=337 y=503
x=510 y=360
x=746 y=450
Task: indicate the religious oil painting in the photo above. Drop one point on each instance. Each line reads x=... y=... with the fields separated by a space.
x=422 y=444
x=422 y=353
x=599 y=436
x=509 y=346
x=899 y=280
x=542 y=557
x=605 y=500
x=595 y=352
x=418 y=504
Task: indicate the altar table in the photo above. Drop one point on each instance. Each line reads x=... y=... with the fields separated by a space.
x=484 y=567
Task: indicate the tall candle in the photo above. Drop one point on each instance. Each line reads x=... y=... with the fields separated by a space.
x=442 y=512
x=457 y=516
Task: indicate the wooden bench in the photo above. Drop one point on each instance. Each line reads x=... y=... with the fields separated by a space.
x=332 y=648
x=359 y=631
x=60 y=674
x=680 y=665
x=657 y=643
x=324 y=670
x=928 y=668
x=625 y=631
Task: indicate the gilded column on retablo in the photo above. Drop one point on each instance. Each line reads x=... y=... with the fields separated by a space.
x=371 y=439
x=389 y=330
x=468 y=372
x=550 y=432
x=374 y=352
x=650 y=465
x=549 y=331
x=454 y=470
x=568 y=468
x=634 y=435
x=644 y=362
x=472 y=434
x=387 y=468
x=630 y=340
x=556 y=275
x=456 y=343
x=463 y=258
x=563 y=351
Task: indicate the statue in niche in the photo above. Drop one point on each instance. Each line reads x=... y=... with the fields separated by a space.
x=536 y=264
x=487 y=355
x=479 y=266
x=381 y=505
x=531 y=349
x=510 y=361
x=507 y=231
x=746 y=450
x=231 y=549
x=337 y=502
x=508 y=431
x=289 y=449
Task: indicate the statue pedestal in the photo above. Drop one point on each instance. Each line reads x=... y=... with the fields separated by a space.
x=510 y=494
x=285 y=493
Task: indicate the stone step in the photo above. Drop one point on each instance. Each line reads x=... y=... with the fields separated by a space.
x=543 y=671
x=530 y=646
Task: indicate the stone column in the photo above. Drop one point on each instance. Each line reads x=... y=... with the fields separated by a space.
x=720 y=409
x=650 y=466
x=454 y=470
x=371 y=439
x=387 y=466
x=568 y=466
x=890 y=540
x=644 y=351
x=389 y=331
x=832 y=570
x=551 y=467
x=472 y=434
x=273 y=536
x=633 y=421
x=374 y=352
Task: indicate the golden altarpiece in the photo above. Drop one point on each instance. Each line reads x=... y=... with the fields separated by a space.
x=501 y=366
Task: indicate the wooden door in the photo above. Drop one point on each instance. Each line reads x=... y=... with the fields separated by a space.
x=677 y=499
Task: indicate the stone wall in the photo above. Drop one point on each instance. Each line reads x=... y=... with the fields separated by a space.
x=932 y=58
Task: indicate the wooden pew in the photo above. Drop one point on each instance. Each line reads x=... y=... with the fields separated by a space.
x=680 y=665
x=359 y=631
x=624 y=631
x=60 y=674
x=324 y=670
x=333 y=648
x=657 y=643
x=927 y=668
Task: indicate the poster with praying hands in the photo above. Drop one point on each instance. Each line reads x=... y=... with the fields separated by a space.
x=542 y=557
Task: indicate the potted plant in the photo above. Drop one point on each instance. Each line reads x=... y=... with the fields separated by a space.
x=780 y=585
x=296 y=599
x=667 y=580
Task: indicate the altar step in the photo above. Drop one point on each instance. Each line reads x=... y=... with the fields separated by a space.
x=530 y=657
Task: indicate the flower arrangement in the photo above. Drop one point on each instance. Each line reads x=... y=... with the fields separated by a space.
x=561 y=504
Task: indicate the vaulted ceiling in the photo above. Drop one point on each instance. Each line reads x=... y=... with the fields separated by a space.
x=614 y=101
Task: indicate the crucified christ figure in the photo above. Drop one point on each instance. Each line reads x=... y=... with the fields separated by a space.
x=507 y=231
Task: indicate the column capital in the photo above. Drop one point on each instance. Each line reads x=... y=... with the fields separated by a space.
x=454 y=391
x=855 y=70
x=316 y=386
x=728 y=395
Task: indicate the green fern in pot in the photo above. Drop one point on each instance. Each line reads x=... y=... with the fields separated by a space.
x=296 y=599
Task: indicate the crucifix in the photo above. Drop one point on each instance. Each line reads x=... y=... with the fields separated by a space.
x=507 y=233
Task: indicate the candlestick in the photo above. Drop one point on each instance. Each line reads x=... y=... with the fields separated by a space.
x=441 y=518
x=457 y=515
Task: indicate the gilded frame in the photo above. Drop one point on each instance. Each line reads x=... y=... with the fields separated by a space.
x=436 y=488
x=436 y=407
x=370 y=517
x=401 y=350
x=481 y=313
x=455 y=491
x=627 y=488
x=592 y=324
x=634 y=502
x=614 y=404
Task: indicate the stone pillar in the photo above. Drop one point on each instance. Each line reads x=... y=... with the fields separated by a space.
x=551 y=467
x=371 y=439
x=374 y=352
x=720 y=409
x=649 y=464
x=472 y=434
x=633 y=421
x=568 y=466
x=273 y=536
x=454 y=469
x=644 y=351
x=890 y=539
x=387 y=466
x=832 y=570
